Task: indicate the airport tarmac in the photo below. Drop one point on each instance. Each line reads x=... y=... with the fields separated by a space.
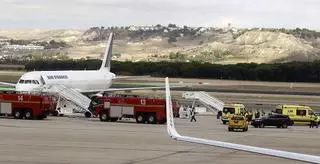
x=62 y=140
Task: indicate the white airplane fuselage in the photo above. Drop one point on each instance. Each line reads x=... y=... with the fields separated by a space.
x=83 y=81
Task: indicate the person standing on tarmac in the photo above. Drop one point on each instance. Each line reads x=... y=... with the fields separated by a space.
x=193 y=115
x=313 y=121
x=219 y=114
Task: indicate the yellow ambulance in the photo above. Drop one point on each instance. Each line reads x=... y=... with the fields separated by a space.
x=231 y=109
x=299 y=114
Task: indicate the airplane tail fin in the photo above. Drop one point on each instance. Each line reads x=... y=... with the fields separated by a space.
x=106 y=63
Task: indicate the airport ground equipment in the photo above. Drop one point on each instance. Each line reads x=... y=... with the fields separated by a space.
x=173 y=134
x=278 y=120
x=238 y=122
x=142 y=109
x=300 y=114
x=214 y=103
x=69 y=100
x=27 y=106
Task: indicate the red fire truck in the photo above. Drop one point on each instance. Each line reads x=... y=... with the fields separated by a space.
x=28 y=106
x=150 y=110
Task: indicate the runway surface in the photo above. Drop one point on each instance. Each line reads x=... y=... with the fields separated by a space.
x=58 y=140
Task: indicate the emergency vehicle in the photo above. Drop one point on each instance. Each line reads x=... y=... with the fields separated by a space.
x=238 y=122
x=300 y=114
x=150 y=110
x=231 y=109
x=27 y=106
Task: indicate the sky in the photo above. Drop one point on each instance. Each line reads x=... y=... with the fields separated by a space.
x=207 y=13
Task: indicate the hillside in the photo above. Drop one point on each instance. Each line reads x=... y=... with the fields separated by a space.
x=156 y=43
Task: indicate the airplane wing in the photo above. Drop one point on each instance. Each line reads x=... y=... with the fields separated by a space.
x=9 y=84
x=265 y=151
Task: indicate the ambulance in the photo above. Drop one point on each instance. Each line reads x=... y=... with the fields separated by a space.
x=229 y=110
x=299 y=114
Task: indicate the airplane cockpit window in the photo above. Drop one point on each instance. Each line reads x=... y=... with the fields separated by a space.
x=35 y=82
x=28 y=82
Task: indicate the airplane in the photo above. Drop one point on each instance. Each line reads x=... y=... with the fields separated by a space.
x=78 y=87
x=173 y=134
x=83 y=81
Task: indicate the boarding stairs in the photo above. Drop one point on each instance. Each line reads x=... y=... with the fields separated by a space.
x=69 y=100
x=212 y=102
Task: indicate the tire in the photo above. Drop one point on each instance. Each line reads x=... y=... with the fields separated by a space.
x=284 y=125
x=17 y=114
x=28 y=114
x=229 y=129
x=140 y=118
x=224 y=122
x=103 y=116
x=87 y=114
x=151 y=118
x=261 y=125
x=55 y=113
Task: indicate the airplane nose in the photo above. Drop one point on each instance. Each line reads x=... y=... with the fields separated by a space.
x=25 y=88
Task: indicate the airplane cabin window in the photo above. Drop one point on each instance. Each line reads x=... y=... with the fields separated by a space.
x=21 y=81
x=34 y=82
x=27 y=82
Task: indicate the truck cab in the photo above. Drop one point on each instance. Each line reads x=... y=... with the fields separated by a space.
x=229 y=110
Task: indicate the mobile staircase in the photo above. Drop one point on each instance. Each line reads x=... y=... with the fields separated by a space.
x=69 y=101
x=213 y=103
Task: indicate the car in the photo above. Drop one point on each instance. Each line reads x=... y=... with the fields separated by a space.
x=238 y=122
x=278 y=120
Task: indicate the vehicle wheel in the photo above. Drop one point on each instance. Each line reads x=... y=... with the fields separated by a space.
x=87 y=114
x=256 y=126
x=17 y=114
x=28 y=115
x=151 y=119
x=261 y=126
x=55 y=113
x=103 y=116
x=224 y=122
x=229 y=129
x=140 y=118
x=284 y=125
